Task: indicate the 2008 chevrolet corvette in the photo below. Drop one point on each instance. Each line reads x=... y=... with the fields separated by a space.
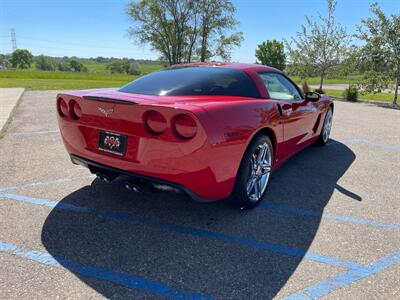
x=214 y=131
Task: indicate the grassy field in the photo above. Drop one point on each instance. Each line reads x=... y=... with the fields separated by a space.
x=96 y=77
x=59 y=84
x=99 y=78
x=42 y=80
x=367 y=97
x=316 y=80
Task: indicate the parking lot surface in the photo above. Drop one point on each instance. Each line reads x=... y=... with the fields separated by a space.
x=329 y=226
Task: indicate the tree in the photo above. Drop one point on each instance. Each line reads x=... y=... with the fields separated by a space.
x=319 y=46
x=118 y=66
x=351 y=65
x=44 y=63
x=216 y=18
x=21 y=59
x=3 y=61
x=181 y=29
x=101 y=60
x=381 y=52
x=134 y=69
x=271 y=53
x=63 y=66
x=76 y=66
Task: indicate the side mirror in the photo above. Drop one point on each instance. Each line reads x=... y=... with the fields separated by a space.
x=312 y=96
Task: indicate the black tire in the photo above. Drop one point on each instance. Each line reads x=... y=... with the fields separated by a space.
x=240 y=197
x=323 y=139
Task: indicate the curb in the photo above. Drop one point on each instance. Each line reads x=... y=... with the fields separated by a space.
x=4 y=126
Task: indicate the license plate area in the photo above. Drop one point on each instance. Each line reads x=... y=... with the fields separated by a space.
x=112 y=142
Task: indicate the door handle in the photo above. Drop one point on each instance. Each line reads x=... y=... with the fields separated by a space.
x=287 y=108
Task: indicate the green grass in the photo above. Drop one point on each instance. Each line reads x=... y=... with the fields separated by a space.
x=369 y=97
x=148 y=68
x=59 y=84
x=94 y=67
x=96 y=77
x=316 y=80
x=42 y=80
x=63 y=75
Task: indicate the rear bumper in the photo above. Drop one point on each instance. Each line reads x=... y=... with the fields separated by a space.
x=87 y=163
x=199 y=173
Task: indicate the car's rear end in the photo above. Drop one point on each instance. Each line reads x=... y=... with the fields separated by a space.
x=160 y=128
x=117 y=133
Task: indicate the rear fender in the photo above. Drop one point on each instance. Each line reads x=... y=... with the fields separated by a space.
x=233 y=126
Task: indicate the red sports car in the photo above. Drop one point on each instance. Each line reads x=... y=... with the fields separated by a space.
x=214 y=131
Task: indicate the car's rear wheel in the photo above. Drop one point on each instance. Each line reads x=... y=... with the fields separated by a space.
x=326 y=128
x=254 y=173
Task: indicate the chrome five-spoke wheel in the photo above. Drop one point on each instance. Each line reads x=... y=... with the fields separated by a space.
x=260 y=169
x=326 y=127
x=254 y=173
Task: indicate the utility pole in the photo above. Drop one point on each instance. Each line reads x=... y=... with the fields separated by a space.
x=13 y=39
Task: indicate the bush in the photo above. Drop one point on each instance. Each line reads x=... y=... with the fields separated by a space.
x=3 y=62
x=304 y=87
x=45 y=64
x=134 y=69
x=320 y=91
x=118 y=66
x=351 y=93
x=76 y=66
x=63 y=66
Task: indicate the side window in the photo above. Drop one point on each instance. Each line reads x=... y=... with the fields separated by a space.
x=279 y=87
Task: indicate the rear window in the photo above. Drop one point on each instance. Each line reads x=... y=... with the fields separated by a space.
x=190 y=81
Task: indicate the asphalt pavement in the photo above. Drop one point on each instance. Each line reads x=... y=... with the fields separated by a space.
x=329 y=226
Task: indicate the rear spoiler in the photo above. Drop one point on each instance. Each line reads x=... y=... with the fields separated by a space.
x=109 y=99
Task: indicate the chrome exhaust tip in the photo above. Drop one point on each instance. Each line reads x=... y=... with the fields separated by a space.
x=103 y=177
x=133 y=187
x=166 y=188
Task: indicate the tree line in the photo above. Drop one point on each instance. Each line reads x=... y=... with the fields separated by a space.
x=23 y=59
x=322 y=48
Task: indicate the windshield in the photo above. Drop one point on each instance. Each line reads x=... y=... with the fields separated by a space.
x=189 y=81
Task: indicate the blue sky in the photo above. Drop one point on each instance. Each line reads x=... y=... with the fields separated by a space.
x=90 y=28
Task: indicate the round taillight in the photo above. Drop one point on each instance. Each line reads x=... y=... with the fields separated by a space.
x=185 y=126
x=75 y=110
x=156 y=122
x=62 y=107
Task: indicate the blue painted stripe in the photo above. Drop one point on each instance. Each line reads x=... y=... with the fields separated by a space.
x=121 y=216
x=345 y=279
x=127 y=280
x=391 y=148
x=329 y=216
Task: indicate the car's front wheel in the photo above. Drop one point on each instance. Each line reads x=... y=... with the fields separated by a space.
x=326 y=128
x=254 y=173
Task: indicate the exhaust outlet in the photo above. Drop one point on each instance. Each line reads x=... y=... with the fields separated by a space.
x=133 y=187
x=102 y=177
x=166 y=188
x=105 y=178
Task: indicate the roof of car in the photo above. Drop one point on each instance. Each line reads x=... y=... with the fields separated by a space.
x=238 y=66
